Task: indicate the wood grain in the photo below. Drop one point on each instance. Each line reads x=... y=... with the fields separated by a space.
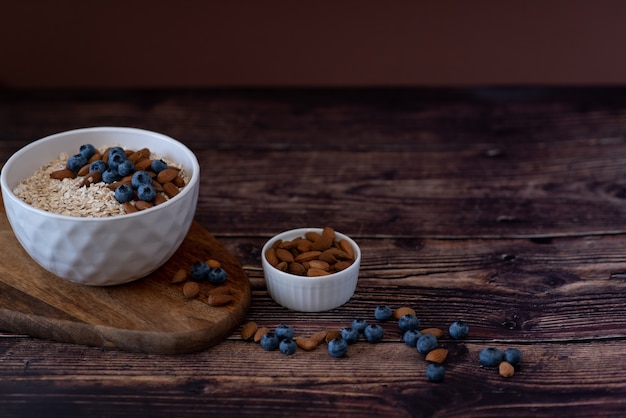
x=149 y=315
x=503 y=208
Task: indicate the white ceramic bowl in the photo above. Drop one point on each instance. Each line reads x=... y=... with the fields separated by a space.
x=310 y=294
x=100 y=251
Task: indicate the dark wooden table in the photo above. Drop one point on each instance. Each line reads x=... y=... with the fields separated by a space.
x=501 y=207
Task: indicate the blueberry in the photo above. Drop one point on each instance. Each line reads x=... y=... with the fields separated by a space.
x=426 y=343
x=158 y=165
x=408 y=321
x=116 y=151
x=337 y=347
x=141 y=177
x=435 y=372
x=98 y=165
x=146 y=192
x=87 y=150
x=383 y=313
x=490 y=357
x=110 y=176
x=116 y=159
x=284 y=332
x=76 y=162
x=410 y=337
x=359 y=325
x=287 y=346
x=350 y=335
x=217 y=276
x=374 y=333
x=200 y=271
x=126 y=168
x=124 y=193
x=458 y=330
x=513 y=356
x=269 y=341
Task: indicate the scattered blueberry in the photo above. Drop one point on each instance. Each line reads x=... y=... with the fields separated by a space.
x=76 y=162
x=124 y=193
x=337 y=347
x=110 y=176
x=383 y=313
x=200 y=271
x=284 y=332
x=411 y=336
x=458 y=330
x=126 y=168
x=158 y=165
x=408 y=321
x=217 y=276
x=374 y=333
x=287 y=346
x=141 y=177
x=350 y=335
x=87 y=150
x=490 y=357
x=98 y=165
x=435 y=372
x=359 y=325
x=513 y=356
x=426 y=343
x=269 y=341
x=146 y=192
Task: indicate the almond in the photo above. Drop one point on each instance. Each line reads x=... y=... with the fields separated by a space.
x=167 y=175
x=180 y=276
x=91 y=178
x=297 y=269
x=260 y=333
x=342 y=265
x=170 y=190
x=332 y=335
x=214 y=264
x=179 y=181
x=434 y=331
x=347 y=248
x=159 y=199
x=323 y=243
x=84 y=170
x=438 y=355
x=319 y=264
x=248 y=330
x=328 y=233
x=315 y=272
x=130 y=208
x=191 y=290
x=307 y=344
x=319 y=336
x=308 y=256
x=143 y=205
x=143 y=164
x=219 y=299
x=63 y=174
x=284 y=255
x=270 y=256
x=400 y=312
x=506 y=369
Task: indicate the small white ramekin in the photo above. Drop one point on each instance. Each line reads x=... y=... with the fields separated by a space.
x=310 y=294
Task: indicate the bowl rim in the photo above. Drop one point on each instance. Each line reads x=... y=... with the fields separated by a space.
x=8 y=192
x=315 y=279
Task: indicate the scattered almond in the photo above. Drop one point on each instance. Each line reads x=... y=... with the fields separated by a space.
x=191 y=290
x=180 y=276
x=434 y=331
x=400 y=312
x=319 y=336
x=219 y=299
x=307 y=343
x=332 y=335
x=248 y=330
x=506 y=369
x=438 y=355
x=63 y=174
x=214 y=264
x=260 y=333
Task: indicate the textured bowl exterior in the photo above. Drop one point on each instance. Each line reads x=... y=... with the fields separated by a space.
x=100 y=251
x=310 y=294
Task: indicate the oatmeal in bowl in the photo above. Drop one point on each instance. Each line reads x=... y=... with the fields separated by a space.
x=91 y=228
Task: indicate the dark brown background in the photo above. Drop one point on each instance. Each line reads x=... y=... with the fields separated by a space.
x=121 y=43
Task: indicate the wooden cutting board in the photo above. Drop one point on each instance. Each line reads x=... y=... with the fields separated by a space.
x=148 y=315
